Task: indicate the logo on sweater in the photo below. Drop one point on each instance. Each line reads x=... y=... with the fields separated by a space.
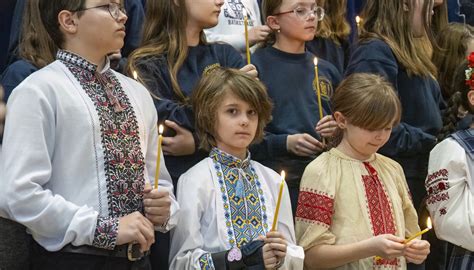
x=209 y=69
x=325 y=87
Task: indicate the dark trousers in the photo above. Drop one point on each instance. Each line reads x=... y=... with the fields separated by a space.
x=160 y=251
x=42 y=259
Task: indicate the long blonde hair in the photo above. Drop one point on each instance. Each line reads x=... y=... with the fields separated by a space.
x=387 y=20
x=164 y=35
x=334 y=26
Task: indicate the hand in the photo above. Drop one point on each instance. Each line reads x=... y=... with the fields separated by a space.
x=303 y=145
x=250 y=70
x=326 y=126
x=258 y=33
x=135 y=228
x=278 y=245
x=417 y=250
x=387 y=246
x=180 y=144
x=157 y=205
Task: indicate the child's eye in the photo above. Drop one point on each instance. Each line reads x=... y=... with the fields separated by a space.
x=300 y=11
x=387 y=129
x=252 y=112
x=232 y=111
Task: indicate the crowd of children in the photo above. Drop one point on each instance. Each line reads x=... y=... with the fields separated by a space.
x=367 y=132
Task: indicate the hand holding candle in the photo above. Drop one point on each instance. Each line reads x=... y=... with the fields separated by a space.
x=277 y=209
x=158 y=159
x=428 y=227
x=247 y=46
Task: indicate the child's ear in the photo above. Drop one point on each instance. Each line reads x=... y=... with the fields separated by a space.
x=67 y=21
x=340 y=120
x=470 y=98
x=272 y=22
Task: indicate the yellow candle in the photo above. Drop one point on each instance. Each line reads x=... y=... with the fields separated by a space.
x=157 y=171
x=277 y=209
x=247 y=46
x=428 y=227
x=318 y=89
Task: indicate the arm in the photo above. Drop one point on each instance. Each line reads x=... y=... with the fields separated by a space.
x=30 y=130
x=187 y=242
x=450 y=200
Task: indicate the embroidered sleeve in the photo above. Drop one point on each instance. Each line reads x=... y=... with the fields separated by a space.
x=450 y=195
x=106 y=231
x=315 y=206
x=205 y=261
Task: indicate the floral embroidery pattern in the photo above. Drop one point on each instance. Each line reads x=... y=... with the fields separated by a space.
x=242 y=194
x=124 y=162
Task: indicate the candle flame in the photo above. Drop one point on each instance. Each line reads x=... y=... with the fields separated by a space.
x=283 y=174
x=315 y=61
x=244 y=11
x=160 y=129
x=357 y=19
x=135 y=75
x=428 y=223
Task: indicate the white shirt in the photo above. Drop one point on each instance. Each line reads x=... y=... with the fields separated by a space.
x=202 y=228
x=230 y=28
x=53 y=178
x=449 y=185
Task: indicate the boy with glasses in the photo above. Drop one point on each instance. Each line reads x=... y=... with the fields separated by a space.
x=79 y=149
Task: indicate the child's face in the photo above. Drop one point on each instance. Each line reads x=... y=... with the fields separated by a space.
x=236 y=125
x=98 y=29
x=365 y=142
x=297 y=25
x=203 y=14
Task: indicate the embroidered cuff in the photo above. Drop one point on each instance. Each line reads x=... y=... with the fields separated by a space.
x=205 y=261
x=106 y=231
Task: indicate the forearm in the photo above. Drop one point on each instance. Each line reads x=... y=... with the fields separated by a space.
x=330 y=256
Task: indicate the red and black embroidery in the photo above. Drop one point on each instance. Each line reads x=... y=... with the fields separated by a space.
x=124 y=162
x=315 y=207
x=437 y=186
x=380 y=208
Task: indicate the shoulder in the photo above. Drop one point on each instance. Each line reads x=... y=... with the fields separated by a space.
x=374 y=49
x=271 y=175
x=447 y=147
x=197 y=174
x=391 y=164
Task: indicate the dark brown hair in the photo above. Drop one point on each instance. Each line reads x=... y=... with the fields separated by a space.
x=49 y=10
x=211 y=90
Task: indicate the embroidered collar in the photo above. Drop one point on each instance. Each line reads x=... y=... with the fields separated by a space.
x=466 y=139
x=79 y=61
x=229 y=160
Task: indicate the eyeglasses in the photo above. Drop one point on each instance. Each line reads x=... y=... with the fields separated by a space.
x=304 y=13
x=114 y=9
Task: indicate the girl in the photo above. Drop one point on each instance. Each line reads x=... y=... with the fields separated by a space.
x=331 y=41
x=455 y=42
x=173 y=56
x=228 y=199
x=450 y=176
x=354 y=204
x=293 y=138
x=387 y=47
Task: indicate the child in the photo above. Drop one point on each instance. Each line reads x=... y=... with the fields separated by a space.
x=450 y=177
x=294 y=137
x=354 y=204
x=173 y=56
x=227 y=199
x=387 y=47
x=79 y=147
x=331 y=41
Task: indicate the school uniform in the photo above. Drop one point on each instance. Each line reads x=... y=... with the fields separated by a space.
x=335 y=53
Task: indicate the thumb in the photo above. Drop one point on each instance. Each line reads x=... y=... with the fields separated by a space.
x=173 y=125
x=147 y=187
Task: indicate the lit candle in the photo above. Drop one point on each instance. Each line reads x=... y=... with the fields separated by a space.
x=428 y=227
x=135 y=75
x=160 y=139
x=277 y=209
x=358 y=24
x=318 y=91
x=247 y=46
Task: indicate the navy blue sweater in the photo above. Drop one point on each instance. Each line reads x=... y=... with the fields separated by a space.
x=155 y=74
x=327 y=49
x=289 y=79
x=412 y=140
x=14 y=74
